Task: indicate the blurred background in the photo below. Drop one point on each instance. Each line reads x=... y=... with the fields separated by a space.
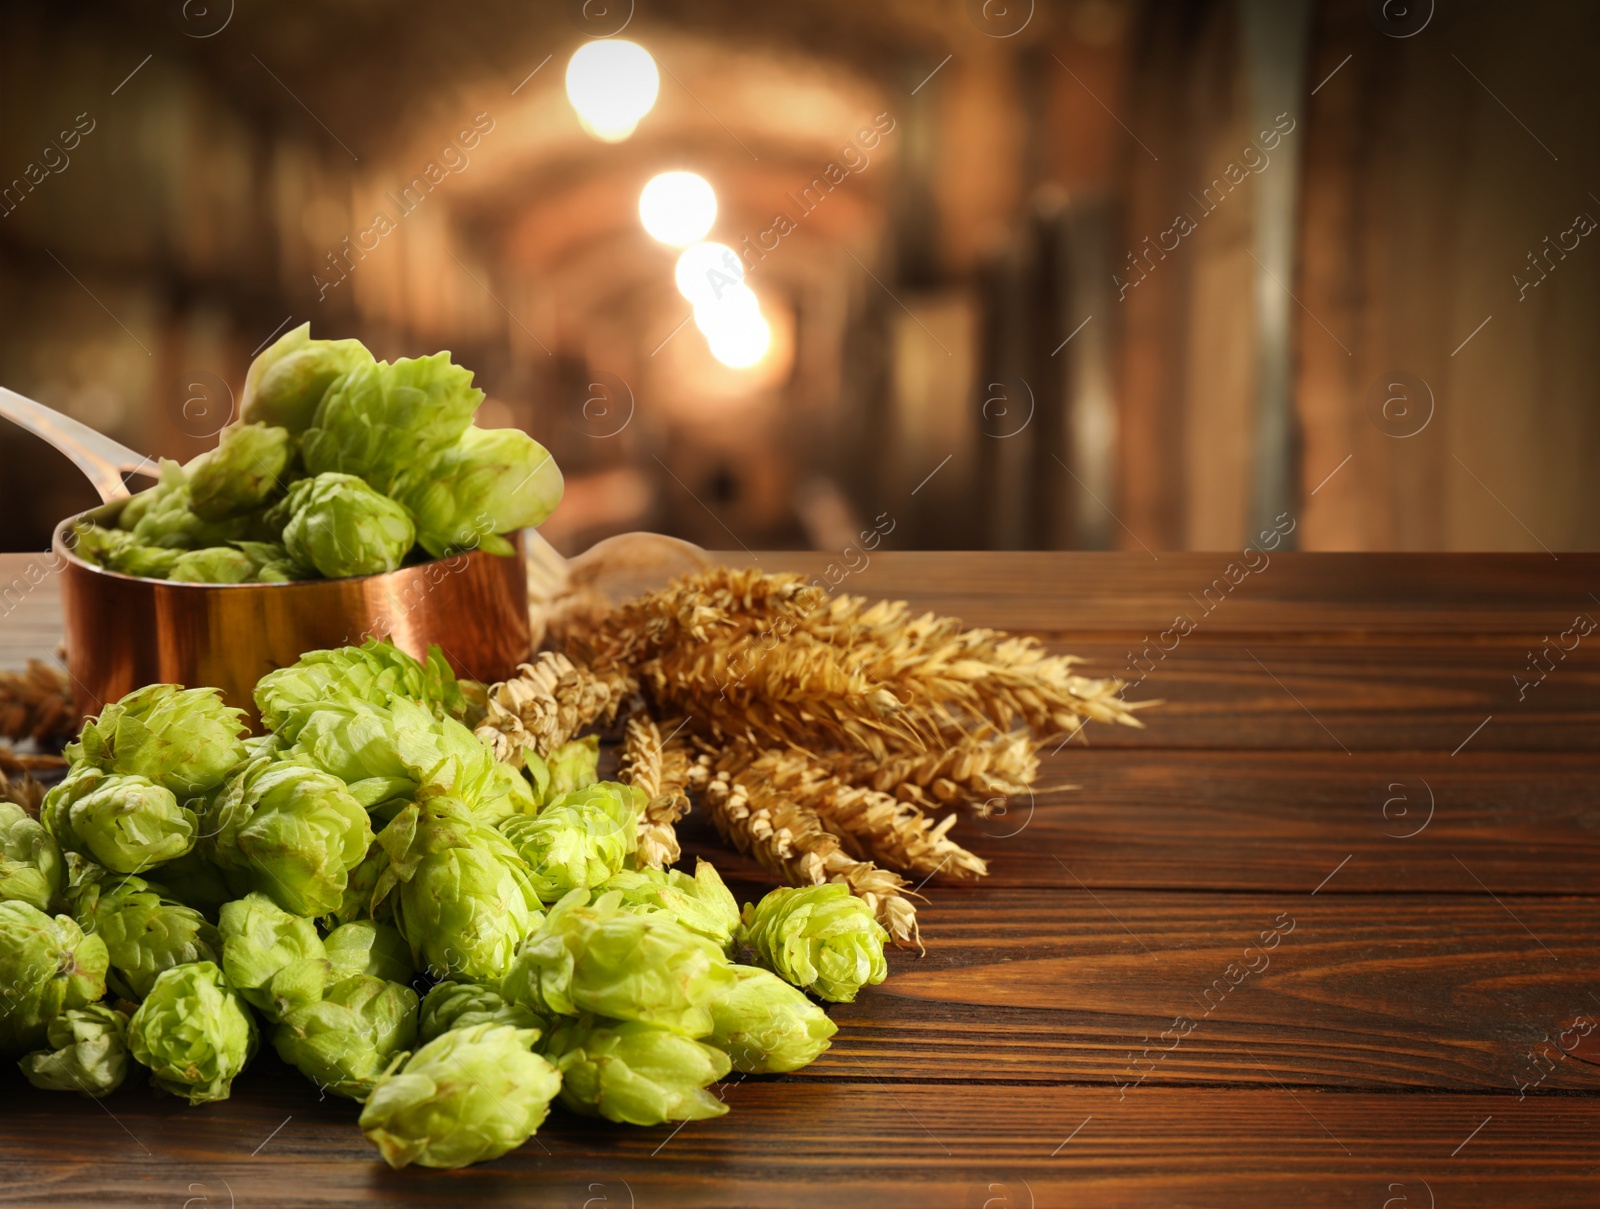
x=1082 y=274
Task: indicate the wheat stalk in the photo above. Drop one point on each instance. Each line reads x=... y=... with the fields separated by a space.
x=660 y=767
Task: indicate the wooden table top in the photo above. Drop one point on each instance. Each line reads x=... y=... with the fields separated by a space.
x=1323 y=933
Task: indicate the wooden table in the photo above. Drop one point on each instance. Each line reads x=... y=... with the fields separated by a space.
x=1345 y=761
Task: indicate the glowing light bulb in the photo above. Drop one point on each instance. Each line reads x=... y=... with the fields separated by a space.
x=678 y=207
x=612 y=83
x=707 y=271
x=734 y=327
x=742 y=346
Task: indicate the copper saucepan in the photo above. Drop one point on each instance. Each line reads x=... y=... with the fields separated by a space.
x=123 y=632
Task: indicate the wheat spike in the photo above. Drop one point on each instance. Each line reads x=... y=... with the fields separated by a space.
x=789 y=841
x=660 y=767
x=548 y=702
x=872 y=825
x=770 y=658
x=37 y=704
x=978 y=771
x=18 y=786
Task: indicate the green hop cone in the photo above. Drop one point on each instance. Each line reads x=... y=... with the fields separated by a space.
x=125 y=822
x=47 y=966
x=287 y=381
x=376 y=673
x=342 y=527
x=384 y=422
x=820 y=938
x=461 y=895
x=87 y=1052
x=194 y=1032
x=604 y=959
x=289 y=831
x=245 y=471
x=212 y=565
x=452 y=1005
x=468 y=1095
x=767 y=1027
x=365 y=947
x=635 y=1073
x=144 y=930
x=491 y=481
x=146 y=562
x=389 y=754
x=578 y=840
x=185 y=739
x=573 y=765
x=274 y=959
x=701 y=903
x=344 y=1042
x=30 y=860
x=162 y=517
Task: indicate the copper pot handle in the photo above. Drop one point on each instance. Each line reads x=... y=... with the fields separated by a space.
x=101 y=459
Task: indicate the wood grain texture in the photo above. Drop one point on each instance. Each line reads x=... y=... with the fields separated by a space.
x=793 y=1142
x=1443 y=939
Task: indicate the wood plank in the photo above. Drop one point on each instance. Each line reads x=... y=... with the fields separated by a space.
x=1278 y=821
x=1130 y=594
x=1354 y=696
x=789 y=1142
x=1364 y=991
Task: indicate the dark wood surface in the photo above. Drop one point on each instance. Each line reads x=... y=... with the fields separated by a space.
x=1313 y=768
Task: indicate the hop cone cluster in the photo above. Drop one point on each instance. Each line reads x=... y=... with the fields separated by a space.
x=338 y=465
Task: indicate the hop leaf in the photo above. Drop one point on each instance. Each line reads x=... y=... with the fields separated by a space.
x=87 y=1052
x=469 y=1094
x=820 y=938
x=194 y=1032
x=579 y=840
x=30 y=861
x=126 y=822
x=47 y=966
x=291 y=832
x=242 y=473
x=381 y=421
x=346 y=1041
x=342 y=527
x=490 y=481
x=184 y=739
x=274 y=959
x=144 y=931
x=635 y=1073
x=453 y=1005
x=603 y=959
x=462 y=896
x=767 y=1027
x=365 y=947
x=701 y=903
x=287 y=381
x=377 y=673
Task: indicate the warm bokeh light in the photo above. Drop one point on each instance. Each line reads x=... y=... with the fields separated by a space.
x=678 y=208
x=612 y=84
x=707 y=271
x=734 y=327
